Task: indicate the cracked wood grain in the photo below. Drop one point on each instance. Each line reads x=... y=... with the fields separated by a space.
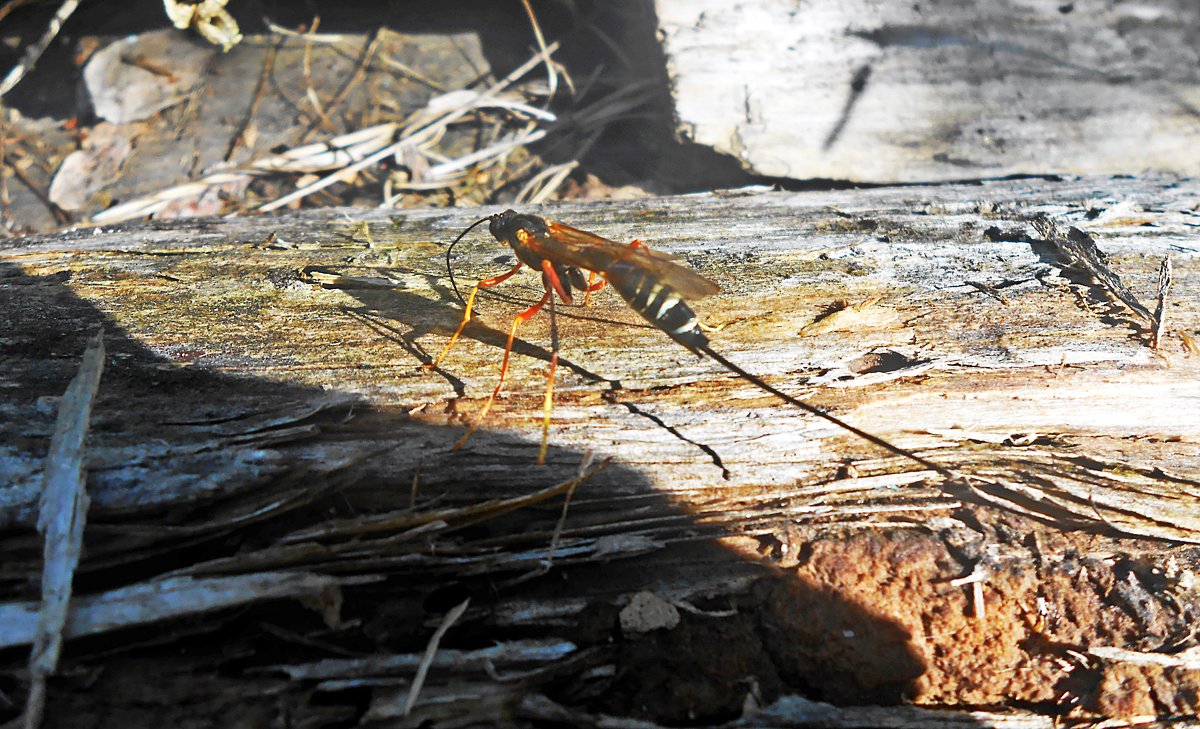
x=873 y=91
x=217 y=304
x=265 y=409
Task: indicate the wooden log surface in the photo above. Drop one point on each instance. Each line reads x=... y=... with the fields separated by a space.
x=875 y=91
x=964 y=328
x=257 y=364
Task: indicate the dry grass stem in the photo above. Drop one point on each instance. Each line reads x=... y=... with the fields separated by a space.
x=351 y=153
x=430 y=652
x=551 y=71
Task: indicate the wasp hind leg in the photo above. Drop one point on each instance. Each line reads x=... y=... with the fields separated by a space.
x=548 y=403
x=595 y=283
x=553 y=285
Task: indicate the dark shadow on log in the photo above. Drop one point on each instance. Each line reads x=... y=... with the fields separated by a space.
x=185 y=449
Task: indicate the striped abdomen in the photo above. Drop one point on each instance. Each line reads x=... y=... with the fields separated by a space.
x=659 y=303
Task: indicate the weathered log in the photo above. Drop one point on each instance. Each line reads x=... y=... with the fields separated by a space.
x=258 y=366
x=876 y=91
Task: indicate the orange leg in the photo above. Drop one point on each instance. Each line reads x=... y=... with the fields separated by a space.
x=521 y=318
x=593 y=285
x=486 y=283
x=552 y=282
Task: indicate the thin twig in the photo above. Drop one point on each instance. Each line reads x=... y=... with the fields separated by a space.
x=419 y=135
x=430 y=652
x=551 y=72
x=238 y=138
x=584 y=466
x=310 y=93
x=501 y=147
x=360 y=72
x=327 y=38
x=344 y=173
x=35 y=51
x=61 y=517
x=542 y=185
x=411 y=73
x=335 y=153
x=59 y=215
x=351 y=153
x=435 y=126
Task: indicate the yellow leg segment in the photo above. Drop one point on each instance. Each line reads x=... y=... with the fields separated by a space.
x=547 y=409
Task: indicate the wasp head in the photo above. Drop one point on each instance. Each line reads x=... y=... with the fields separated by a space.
x=504 y=226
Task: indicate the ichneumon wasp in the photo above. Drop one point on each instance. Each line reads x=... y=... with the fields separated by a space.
x=653 y=283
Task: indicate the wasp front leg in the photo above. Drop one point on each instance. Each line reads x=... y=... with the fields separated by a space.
x=520 y=319
x=553 y=285
x=486 y=283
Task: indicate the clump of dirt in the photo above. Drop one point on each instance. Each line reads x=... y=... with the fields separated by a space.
x=883 y=618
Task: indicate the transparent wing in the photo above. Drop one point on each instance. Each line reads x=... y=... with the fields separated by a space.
x=587 y=250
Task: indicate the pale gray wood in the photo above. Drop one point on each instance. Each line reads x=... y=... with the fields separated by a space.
x=251 y=375
x=1049 y=358
x=877 y=91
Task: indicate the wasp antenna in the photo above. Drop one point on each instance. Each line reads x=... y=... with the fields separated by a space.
x=449 y=268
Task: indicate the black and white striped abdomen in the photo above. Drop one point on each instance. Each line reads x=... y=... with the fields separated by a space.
x=660 y=304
